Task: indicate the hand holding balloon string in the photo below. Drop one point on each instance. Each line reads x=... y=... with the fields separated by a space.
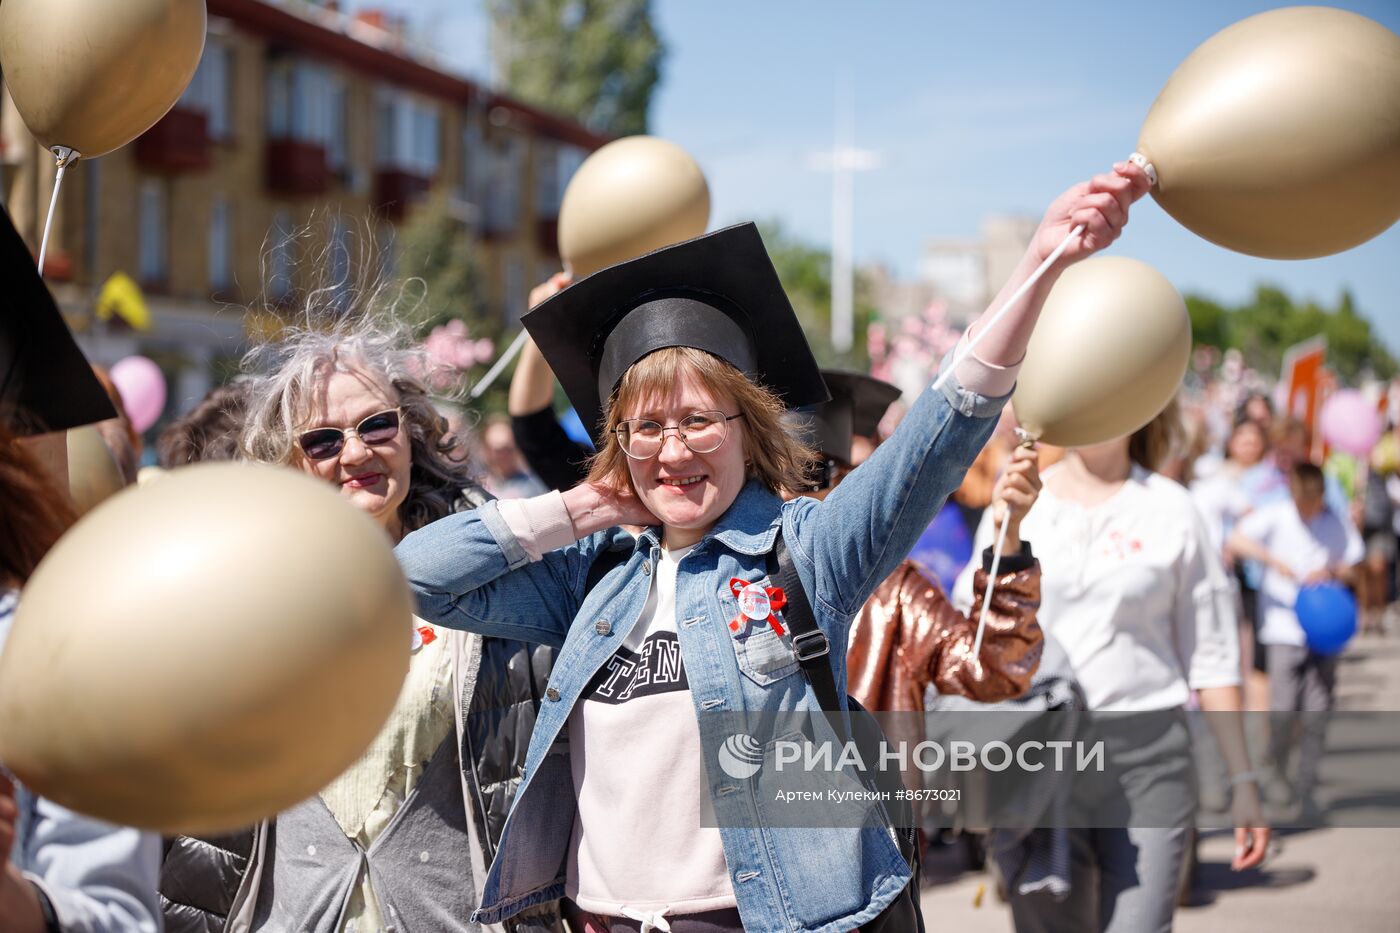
x=1016 y=491
x=1085 y=219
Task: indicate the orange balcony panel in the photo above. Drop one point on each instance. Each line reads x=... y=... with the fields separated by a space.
x=297 y=168
x=179 y=142
x=395 y=191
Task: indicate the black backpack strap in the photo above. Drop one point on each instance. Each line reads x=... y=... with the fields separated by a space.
x=808 y=641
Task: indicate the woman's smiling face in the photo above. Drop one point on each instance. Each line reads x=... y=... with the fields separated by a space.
x=687 y=491
x=374 y=478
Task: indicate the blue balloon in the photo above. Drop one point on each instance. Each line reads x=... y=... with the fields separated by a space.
x=1327 y=613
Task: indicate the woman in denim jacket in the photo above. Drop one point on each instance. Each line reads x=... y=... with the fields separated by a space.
x=611 y=818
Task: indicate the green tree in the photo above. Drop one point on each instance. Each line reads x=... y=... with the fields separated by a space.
x=435 y=258
x=594 y=60
x=1264 y=327
x=805 y=271
x=1208 y=321
x=436 y=268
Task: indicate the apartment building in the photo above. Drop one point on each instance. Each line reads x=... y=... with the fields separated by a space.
x=305 y=139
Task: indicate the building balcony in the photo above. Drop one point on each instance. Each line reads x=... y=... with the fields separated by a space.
x=396 y=190
x=297 y=168
x=179 y=142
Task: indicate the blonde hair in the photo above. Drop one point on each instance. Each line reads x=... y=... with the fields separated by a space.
x=774 y=457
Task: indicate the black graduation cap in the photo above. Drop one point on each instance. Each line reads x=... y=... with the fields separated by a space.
x=858 y=402
x=46 y=383
x=718 y=293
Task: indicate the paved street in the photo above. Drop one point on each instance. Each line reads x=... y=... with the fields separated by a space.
x=1327 y=879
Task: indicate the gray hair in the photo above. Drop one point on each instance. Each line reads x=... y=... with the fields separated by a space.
x=379 y=346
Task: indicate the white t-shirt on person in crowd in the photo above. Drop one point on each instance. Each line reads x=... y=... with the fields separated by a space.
x=1305 y=547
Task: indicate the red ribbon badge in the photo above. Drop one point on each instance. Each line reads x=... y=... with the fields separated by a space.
x=756 y=603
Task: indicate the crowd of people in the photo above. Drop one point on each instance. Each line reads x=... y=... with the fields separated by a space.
x=583 y=606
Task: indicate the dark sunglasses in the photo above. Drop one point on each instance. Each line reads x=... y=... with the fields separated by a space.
x=324 y=443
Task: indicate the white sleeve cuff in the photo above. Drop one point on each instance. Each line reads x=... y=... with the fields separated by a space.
x=977 y=375
x=540 y=524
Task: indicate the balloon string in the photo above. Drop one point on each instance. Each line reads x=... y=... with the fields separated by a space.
x=996 y=316
x=991 y=586
x=499 y=366
x=53 y=207
x=1027 y=440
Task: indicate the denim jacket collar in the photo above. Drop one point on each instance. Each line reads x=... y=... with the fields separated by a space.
x=751 y=523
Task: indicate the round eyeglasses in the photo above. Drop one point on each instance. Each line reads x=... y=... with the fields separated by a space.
x=323 y=443
x=702 y=431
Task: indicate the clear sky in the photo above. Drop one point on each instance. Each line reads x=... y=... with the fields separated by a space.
x=975 y=108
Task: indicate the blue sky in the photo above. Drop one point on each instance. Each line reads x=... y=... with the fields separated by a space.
x=976 y=108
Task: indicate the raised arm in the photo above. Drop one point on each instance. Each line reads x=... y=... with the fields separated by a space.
x=858 y=535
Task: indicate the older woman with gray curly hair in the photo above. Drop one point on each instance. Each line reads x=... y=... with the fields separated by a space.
x=402 y=839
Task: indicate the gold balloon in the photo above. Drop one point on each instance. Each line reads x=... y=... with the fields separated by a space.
x=1108 y=353
x=92 y=75
x=1280 y=136
x=632 y=196
x=204 y=651
x=93 y=473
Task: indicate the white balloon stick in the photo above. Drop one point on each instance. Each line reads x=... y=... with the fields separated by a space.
x=64 y=158
x=991 y=586
x=497 y=367
x=996 y=316
x=1027 y=440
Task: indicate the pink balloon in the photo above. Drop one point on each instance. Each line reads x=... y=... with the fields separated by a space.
x=1350 y=423
x=141 y=385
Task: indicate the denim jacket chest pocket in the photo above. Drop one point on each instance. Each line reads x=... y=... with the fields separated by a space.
x=764 y=656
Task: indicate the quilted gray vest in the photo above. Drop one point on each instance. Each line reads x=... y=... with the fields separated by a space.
x=419 y=866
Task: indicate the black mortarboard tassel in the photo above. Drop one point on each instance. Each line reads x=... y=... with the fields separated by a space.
x=717 y=293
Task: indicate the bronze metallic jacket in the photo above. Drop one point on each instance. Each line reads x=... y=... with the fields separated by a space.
x=908 y=635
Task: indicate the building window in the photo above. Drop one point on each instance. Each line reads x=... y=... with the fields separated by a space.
x=570 y=158
x=386 y=254
x=340 y=285
x=515 y=296
x=555 y=165
x=211 y=90
x=501 y=192
x=547 y=190
x=301 y=101
x=220 y=244
x=406 y=134
x=337 y=124
x=151 y=226
x=281 y=257
x=475 y=166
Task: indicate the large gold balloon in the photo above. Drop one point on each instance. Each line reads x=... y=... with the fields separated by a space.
x=630 y=197
x=1280 y=136
x=204 y=651
x=92 y=75
x=1108 y=353
x=93 y=474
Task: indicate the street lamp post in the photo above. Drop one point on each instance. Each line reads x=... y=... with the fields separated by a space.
x=843 y=161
